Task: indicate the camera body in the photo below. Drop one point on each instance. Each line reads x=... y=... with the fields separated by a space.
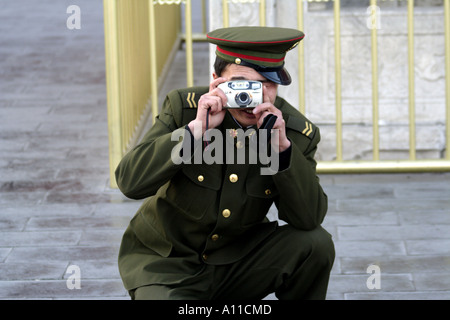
x=242 y=93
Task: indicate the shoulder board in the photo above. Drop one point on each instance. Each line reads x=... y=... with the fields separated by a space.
x=301 y=125
x=190 y=96
x=294 y=119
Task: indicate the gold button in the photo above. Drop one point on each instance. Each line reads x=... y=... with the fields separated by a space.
x=237 y=61
x=268 y=192
x=233 y=178
x=239 y=144
x=215 y=237
x=201 y=178
x=205 y=256
x=226 y=213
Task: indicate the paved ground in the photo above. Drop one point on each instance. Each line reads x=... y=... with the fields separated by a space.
x=57 y=211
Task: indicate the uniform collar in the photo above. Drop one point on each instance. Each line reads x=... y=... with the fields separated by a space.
x=232 y=123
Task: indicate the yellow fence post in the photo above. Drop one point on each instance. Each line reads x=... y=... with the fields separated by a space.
x=301 y=60
x=262 y=12
x=153 y=61
x=447 y=74
x=204 y=21
x=189 y=48
x=412 y=108
x=375 y=112
x=337 y=55
x=226 y=14
x=112 y=85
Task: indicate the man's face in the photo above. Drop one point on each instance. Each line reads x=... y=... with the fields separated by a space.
x=236 y=72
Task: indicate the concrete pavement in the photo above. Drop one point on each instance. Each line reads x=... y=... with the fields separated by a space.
x=59 y=217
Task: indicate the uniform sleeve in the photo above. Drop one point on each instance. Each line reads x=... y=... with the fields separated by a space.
x=302 y=202
x=148 y=166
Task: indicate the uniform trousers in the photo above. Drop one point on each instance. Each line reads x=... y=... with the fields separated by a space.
x=295 y=264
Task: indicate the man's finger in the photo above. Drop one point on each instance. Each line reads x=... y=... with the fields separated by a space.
x=264 y=107
x=219 y=93
x=266 y=97
x=213 y=85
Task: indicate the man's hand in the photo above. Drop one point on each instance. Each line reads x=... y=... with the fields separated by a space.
x=266 y=108
x=214 y=100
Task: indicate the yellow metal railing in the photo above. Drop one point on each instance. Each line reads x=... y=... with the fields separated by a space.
x=411 y=165
x=133 y=65
x=447 y=73
x=411 y=83
x=376 y=165
x=338 y=74
x=375 y=100
x=301 y=59
x=134 y=61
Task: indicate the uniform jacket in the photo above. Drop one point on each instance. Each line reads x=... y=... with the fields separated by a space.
x=196 y=214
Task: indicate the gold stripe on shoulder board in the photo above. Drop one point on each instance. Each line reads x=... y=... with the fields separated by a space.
x=308 y=130
x=191 y=101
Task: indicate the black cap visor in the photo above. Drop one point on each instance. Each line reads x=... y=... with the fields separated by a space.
x=278 y=75
x=281 y=77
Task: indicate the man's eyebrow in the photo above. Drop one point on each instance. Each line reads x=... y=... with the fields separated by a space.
x=238 y=78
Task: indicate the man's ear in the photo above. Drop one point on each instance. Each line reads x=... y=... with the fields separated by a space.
x=214 y=76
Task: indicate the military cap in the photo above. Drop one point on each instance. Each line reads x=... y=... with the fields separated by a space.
x=261 y=48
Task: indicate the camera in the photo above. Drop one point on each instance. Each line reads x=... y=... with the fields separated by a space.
x=242 y=93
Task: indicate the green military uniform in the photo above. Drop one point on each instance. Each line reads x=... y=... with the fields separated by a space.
x=203 y=225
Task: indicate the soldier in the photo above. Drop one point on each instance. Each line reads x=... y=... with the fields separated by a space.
x=202 y=232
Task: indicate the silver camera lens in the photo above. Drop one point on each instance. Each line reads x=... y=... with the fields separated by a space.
x=243 y=99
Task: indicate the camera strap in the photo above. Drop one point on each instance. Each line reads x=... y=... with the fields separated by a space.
x=206 y=142
x=268 y=123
